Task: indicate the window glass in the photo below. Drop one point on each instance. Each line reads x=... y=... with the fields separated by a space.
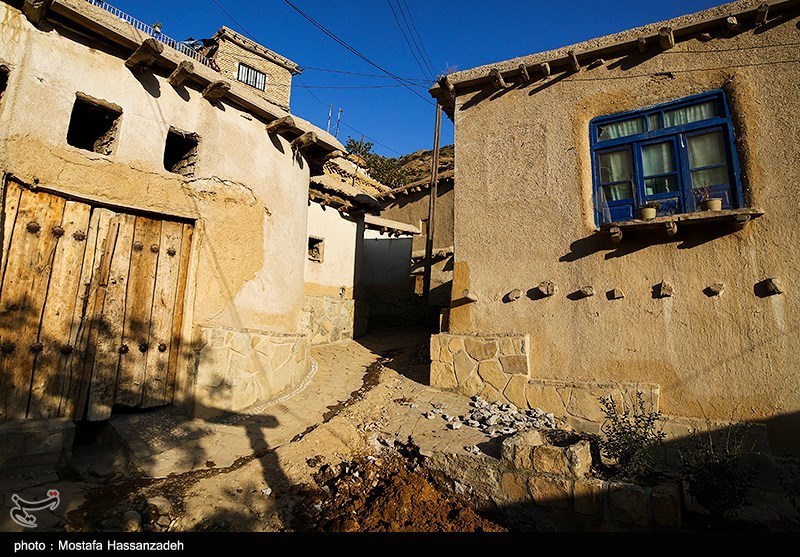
x=707 y=149
x=620 y=129
x=689 y=114
x=710 y=177
x=658 y=158
x=615 y=174
x=654 y=121
x=662 y=184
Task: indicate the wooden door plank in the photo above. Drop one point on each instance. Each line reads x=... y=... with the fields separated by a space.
x=12 y=196
x=109 y=321
x=138 y=307
x=166 y=285
x=22 y=298
x=80 y=362
x=50 y=377
x=177 y=344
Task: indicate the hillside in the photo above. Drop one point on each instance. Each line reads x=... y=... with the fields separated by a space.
x=418 y=164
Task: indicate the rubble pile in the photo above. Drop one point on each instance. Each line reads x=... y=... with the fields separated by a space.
x=496 y=418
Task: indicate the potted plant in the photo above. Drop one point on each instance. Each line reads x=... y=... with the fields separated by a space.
x=708 y=203
x=648 y=210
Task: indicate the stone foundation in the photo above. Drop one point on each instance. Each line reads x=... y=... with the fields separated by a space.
x=239 y=368
x=328 y=319
x=497 y=368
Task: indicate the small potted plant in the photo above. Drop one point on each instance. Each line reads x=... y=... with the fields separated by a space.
x=706 y=202
x=648 y=210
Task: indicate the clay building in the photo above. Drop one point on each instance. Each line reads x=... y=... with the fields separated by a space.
x=563 y=291
x=145 y=262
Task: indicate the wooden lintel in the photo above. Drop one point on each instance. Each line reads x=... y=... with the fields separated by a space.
x=308 y=138
x=36 y=10
x=523 y=71
x=762 y=13
x=181 y=73
x=280 y=125
x=145 y=56
x=216 y=90
x=732 y=23
x=671 y=227
x=641 y=43
x=497 y=78
x=545 y=67
x=666 y=38
x=573 y=61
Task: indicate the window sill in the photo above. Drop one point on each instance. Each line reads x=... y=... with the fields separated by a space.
x=736 y=217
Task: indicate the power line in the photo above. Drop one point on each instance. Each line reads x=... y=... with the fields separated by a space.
x=233 y=19
x=426 y=57
x=356 y=52
x=410 y=48
x=409 y=79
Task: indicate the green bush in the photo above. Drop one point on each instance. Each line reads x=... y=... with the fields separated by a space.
x=718 y=479
x=632 y=440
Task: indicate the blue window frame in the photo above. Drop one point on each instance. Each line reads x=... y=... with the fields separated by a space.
x=667 y=153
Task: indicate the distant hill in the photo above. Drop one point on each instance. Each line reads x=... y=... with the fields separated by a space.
x=417 y=165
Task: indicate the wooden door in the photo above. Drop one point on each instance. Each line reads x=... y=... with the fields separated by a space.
x=91 y=307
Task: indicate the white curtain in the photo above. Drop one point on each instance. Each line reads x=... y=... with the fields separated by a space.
x=621 y=129
x=658 y=158
x=689 y=114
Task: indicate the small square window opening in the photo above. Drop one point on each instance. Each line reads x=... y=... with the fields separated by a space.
x=93 y=125
x=180 y=152
x=316 y=248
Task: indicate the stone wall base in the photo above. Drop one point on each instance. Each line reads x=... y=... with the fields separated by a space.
x=239 y=368
x=328 y=319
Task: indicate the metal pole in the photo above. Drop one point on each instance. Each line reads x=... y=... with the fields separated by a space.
x=426 y=284
x=330 y=113
x=338 y=121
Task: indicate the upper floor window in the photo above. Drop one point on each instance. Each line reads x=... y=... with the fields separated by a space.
x=669 y=154
x=252 y=77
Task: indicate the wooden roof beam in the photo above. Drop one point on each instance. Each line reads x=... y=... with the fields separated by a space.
x=305 y=140
x=497 y=79
x=762 y=13
x=666 y=38
x=216 y=90
x=280 y=125
x=523 y=71
x=36 y=10
x=184 y=70
x=145 y=56
x=573 y=61
x=545 y=67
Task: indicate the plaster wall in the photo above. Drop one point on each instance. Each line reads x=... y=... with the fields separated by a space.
x=329 y=304
x=524 y=214
x=248 y=196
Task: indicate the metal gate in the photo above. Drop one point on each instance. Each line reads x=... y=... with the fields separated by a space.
x=91 y=306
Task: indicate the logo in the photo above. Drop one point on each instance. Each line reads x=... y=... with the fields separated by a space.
x=21 y=513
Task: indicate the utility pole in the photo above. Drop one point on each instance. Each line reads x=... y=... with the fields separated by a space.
x=426 y=283
x=330 y=112
x=338 y=121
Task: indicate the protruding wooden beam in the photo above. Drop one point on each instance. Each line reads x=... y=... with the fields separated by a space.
x=523 y=71
x=641 y=44
x=308 y=138
x=467 y=295
x=497 y=79
x=216 y=90
x=596 y=63
x=573 y=61
x=545 y=67
x=671 y=227
x=732 y=23
x=280 y=125
x=666 y=38
x=181 y=73
x=762 y=13
x=445 y=84
x=145 y=56
x=36 y=10
x=333 y=154
x=615 y=234
x=741 y=220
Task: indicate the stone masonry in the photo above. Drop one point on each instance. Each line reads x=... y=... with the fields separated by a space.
x=497 y=368
x=328 y=319
x=238 y=368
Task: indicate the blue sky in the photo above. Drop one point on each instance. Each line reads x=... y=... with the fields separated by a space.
x=411 y=39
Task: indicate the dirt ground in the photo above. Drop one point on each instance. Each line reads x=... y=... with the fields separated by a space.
x=379 y=488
